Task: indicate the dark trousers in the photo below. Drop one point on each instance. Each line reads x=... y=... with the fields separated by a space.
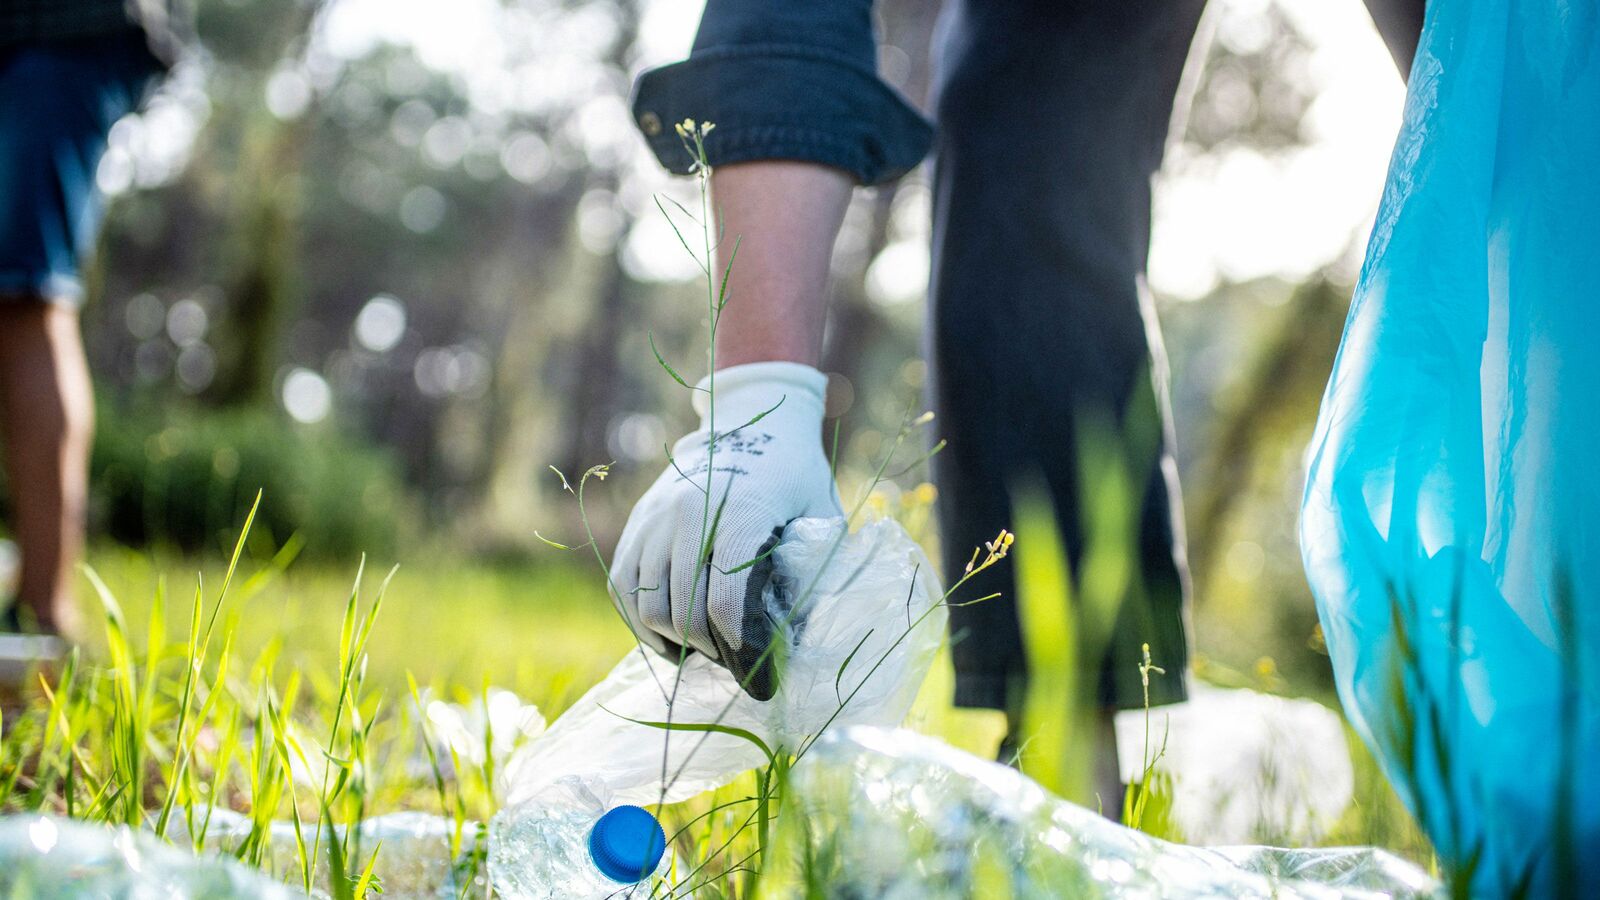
x=1042 y=337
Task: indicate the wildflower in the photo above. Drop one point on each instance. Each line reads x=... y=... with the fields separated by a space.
x=997 y=550
x=689 y=128
x=1145 y=668
x=1000 y=545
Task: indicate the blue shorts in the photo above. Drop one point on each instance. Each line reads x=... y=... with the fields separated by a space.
x=58 y=102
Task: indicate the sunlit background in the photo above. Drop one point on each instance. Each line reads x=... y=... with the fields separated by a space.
x=392 y=259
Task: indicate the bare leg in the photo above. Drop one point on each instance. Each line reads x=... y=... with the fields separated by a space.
x=47 y=419
x=785 y=217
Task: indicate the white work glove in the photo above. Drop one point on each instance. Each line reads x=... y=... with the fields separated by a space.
x=770 y=467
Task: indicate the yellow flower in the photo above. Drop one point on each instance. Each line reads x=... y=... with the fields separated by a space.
x=1000 y=545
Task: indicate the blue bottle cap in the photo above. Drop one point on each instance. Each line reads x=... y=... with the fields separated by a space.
x=627 y=844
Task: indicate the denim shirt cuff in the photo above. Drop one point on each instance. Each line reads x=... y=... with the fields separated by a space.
x=781 y=102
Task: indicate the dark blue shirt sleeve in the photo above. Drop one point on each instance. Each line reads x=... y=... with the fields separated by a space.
x=784 y=79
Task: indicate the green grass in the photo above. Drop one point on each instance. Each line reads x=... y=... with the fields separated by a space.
x=298 y=663
x=544 y=629
x=202 y=689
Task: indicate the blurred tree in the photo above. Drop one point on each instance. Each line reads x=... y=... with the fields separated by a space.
x=1251 y=87
x=1273 y=399
x=262 y=205
x=1250 y=361
x=594 y=397
x=330 y=170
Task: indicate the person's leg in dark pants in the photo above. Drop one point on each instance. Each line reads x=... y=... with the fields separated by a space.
x=1400 y=25
x=1053 y=119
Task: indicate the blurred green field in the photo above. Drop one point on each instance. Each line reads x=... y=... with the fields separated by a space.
x=544 y=629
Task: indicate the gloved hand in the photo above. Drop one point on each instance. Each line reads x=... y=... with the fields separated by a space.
x=767 y=471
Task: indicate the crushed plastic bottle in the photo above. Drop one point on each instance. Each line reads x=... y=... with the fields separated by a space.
x=894 y=815
x=465 y=729
x=545 y=849
x=872 y=621
x=50 y=857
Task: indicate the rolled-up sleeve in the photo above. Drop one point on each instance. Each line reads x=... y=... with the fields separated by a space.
x=784 y=79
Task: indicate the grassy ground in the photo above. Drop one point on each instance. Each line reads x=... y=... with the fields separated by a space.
x=544 y=630
x=302 y=666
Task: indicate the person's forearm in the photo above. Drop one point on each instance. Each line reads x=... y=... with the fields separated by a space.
x=784 y=217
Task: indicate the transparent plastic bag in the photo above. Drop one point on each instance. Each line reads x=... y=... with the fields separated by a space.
x=50 y=857
x=867 y=621
x=893 y=815
x=1452 y=513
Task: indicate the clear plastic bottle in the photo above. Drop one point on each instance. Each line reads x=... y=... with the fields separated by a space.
x=872 y=624
x=561 y=848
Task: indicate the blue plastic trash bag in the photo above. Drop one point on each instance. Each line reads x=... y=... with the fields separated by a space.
x=1451 y=525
